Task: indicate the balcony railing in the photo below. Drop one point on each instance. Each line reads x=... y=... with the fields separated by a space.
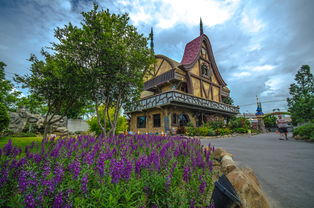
x=176 y=97
x=163 y=78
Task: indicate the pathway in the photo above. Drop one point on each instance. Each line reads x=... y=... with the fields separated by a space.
x=284 y=168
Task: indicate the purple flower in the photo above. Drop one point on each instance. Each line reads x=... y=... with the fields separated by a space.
x=58 y=174
x=29 y=201
x=202 y=187
x=57 y=203
x=84 y=183
x=8 y=148
x=75 y=167
x=186 y=174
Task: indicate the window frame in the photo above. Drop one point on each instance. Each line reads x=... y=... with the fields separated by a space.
x=138 y=122
x=154 y=124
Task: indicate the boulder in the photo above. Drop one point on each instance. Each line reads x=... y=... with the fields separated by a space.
x=247 y=186
x=219 y=153
x=227 y=164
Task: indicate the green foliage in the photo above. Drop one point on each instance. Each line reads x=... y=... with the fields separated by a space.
x=4 y=117
x=270 y=121
x=227 y=100
x=306 y=131
x=239 y=122
x=58 y=82
x=122 y=124
x=302 y=96
x=240 y=130
x=111 y=54
x=200 y=131
x=223 y=131
x=215 y=124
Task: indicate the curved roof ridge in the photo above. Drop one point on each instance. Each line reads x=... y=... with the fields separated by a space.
x=192 y=53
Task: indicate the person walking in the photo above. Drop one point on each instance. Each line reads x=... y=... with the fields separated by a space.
x=282 y=125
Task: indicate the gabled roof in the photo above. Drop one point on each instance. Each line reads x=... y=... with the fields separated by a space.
x=192 y=53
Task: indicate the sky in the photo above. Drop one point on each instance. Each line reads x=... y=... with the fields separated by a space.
x=258 y=45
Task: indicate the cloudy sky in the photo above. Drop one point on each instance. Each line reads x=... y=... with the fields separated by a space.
x=258 y=45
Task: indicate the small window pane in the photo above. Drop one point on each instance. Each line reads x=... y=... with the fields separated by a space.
x=156 y=118
x=141 y=122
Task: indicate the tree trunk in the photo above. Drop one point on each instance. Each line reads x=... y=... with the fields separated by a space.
x=116 y=115
x=99 y=119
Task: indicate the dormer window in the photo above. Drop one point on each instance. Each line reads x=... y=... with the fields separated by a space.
x=205 y=70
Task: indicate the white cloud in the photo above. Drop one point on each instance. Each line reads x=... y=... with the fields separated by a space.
x=254 y=47
x=250 y=23
x=263 y=68
x=241 y=74
x=167 y=13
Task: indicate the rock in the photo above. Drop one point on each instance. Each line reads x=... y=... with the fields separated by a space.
x=219 y=153
x=227 y=164
x=248 y=188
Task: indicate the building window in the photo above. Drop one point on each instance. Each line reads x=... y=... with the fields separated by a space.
x=141 y=122
x=174 y=119
x=205 y=71
x=156 y=119
x=184 y=119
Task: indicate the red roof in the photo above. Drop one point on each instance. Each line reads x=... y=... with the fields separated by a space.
x=191 y=51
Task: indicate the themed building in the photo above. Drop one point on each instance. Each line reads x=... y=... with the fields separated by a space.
x=176 y=94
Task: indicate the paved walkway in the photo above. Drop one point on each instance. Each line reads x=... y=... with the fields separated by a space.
x=284 y=168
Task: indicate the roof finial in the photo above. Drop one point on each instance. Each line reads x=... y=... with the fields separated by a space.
x=151 y=36
x=201 y=27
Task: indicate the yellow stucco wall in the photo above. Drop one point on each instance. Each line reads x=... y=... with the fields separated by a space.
x=216 y=94
x=195 y=69
x=196 y=87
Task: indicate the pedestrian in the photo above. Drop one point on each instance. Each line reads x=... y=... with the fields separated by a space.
x=282 y=125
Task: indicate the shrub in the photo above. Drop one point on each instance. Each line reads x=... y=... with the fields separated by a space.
x=190 y=131
x=240 y=122
x=270 y=121
x=223 y=131
x=211 y=132
x=240 y=130
x=201 y=131
x=306 y=131
x=215 y=124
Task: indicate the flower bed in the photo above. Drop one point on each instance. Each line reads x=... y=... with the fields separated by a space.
x=121 y=171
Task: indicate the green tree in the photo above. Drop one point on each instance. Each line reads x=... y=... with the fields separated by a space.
x=227 y=100
x=301 y=103
x=113 y=56
x=32 y=102
x=5 y=88
x=270 y=121
x=122 y=124
x=58 y=82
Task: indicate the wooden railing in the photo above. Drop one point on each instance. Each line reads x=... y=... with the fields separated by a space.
x=165 y=77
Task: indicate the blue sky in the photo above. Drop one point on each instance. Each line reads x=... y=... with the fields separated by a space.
x=258 y=45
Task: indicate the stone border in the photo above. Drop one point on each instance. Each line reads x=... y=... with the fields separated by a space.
x=224 y=136
x=243 y=180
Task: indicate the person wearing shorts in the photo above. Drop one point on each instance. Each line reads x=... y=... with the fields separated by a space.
x=282 y=127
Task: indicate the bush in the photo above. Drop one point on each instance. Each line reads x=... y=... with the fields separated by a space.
x=240 y=130
x=201 y=131
x=223 y=131
x=25 y=134
x=270 y=121
x=215 y=124
x=190 y=131
x=211 y=132
x=240 y=122
x=4 y=117
x=306 y=131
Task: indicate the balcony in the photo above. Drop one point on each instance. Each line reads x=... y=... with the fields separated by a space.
x=162 y=79
x=185 y=100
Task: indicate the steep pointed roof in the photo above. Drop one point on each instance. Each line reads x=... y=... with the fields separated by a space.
x=192 y=53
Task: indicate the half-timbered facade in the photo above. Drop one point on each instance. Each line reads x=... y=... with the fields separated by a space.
x=175 y=93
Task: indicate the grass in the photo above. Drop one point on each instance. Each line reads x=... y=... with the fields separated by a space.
x=19 y=141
